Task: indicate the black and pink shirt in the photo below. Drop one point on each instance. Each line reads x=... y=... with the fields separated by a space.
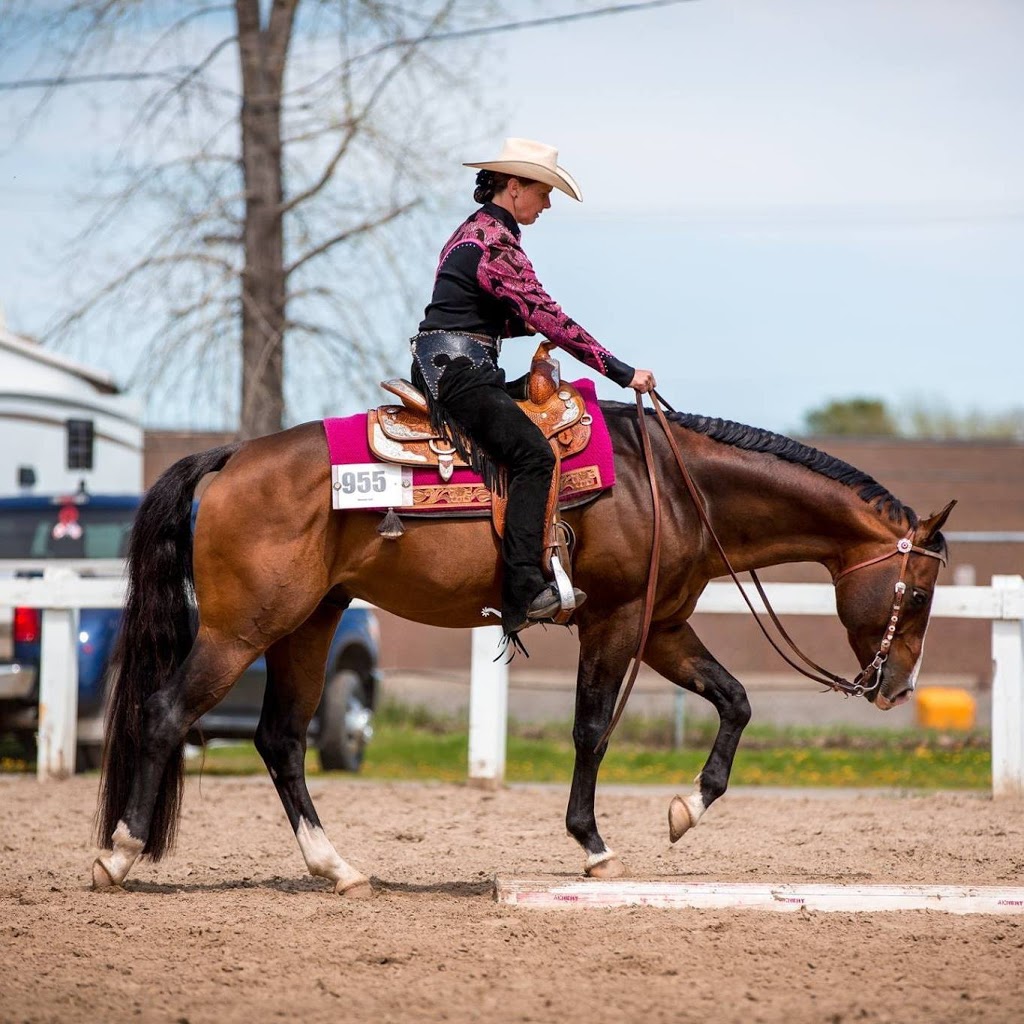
x=486 y=284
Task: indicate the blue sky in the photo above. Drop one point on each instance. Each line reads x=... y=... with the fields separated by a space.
x=785 y=200
x=791 y=200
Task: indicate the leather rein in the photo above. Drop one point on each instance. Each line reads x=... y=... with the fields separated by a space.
x=904 y=548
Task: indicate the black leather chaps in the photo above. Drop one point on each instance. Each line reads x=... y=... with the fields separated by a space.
x=470 y=404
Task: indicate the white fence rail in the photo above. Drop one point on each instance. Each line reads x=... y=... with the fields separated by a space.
x=60 y=593
x=1002 y=604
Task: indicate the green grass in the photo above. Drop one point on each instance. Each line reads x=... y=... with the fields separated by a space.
x=414 y=743
x=402 y=752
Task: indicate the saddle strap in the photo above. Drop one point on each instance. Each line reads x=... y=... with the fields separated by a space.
x=652 y=572
x=819 y=675
x=827 y=678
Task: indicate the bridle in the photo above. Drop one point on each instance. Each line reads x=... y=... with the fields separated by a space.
x=904 y=548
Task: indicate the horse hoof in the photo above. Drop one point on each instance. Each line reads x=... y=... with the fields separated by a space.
x=101 y=877
x=611 y=868
x=679 y=820
x=360 y=889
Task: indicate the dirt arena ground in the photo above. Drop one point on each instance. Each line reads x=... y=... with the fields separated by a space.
x=231 y=929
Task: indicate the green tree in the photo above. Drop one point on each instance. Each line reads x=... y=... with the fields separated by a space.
x=917 y=418
x=936 y=419
x=860 y=417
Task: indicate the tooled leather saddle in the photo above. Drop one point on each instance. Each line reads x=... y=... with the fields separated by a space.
x=403 y=434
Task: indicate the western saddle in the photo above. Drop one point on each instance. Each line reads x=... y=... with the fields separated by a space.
x=402 y=434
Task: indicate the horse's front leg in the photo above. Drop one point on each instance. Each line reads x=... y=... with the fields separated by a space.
x=676 y=652
x=603 y=662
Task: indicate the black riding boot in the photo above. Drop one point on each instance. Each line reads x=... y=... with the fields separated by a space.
x=513 y=456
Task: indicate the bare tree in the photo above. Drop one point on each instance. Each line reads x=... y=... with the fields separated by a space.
x=274 y=167
x=281 y=162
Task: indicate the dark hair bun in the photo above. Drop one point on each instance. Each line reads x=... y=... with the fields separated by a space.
x=486 y=186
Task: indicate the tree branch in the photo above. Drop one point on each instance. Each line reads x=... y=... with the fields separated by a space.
x=126 y=276
x=184 y=20
x=98 y=78
x=279 y=33
x=509 y=26
x=350 y=233
x=357 y=122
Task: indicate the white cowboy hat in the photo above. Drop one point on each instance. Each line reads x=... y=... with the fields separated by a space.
x=532 y=160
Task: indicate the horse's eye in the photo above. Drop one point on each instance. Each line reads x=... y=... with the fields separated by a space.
x=919 y=597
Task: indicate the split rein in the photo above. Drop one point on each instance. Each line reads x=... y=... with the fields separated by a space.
x=904 y=547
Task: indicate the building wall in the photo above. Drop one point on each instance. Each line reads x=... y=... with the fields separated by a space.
x=165 y=447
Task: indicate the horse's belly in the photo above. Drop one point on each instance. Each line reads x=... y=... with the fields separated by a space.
x=440 y=573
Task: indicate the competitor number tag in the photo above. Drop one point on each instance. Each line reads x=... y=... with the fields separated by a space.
x=376 y=485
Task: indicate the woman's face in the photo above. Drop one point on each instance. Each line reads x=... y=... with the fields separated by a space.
x=529 y=201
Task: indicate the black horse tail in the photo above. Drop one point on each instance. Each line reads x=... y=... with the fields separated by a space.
x=155 y=637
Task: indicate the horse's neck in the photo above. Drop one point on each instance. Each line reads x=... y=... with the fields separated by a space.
x=768 y=512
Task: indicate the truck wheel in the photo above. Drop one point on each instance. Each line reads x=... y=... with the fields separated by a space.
x=346 y=723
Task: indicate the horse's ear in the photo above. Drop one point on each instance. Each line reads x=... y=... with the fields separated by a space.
x=935 y=522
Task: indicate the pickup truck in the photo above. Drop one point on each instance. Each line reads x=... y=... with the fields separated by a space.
x=89 y=533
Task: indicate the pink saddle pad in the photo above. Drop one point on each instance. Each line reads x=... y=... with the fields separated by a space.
x=586 y=473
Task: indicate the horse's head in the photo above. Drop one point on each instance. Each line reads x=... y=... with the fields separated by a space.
x=884 y=602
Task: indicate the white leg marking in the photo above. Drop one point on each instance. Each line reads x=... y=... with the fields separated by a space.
x=605 y=865
x=322 y=859
x=600 y=858
x=695 y=806
x=116 y=864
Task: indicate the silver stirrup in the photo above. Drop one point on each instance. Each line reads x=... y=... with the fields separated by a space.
x=566 y=594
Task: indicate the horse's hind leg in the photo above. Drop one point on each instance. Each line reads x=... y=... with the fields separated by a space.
x=295 y=680
x=676 y=653
x=209 y=671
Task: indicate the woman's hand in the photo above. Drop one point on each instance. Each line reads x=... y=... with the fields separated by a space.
x=643 y=381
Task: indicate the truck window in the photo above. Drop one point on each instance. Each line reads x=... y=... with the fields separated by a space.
x=65 y=531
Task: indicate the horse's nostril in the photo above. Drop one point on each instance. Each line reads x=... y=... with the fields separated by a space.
x=902 y=697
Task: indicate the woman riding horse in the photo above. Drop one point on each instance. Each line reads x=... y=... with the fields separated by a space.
x=486 y=290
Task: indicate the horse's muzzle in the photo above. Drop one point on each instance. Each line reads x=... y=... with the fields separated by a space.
x=888 y=703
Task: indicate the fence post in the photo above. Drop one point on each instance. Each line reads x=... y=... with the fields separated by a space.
x=58 y=687
x=1007 y=699
x=488 y=709
x=679 y=720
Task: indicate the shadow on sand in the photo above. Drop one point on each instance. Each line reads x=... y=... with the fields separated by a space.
x=460 y=889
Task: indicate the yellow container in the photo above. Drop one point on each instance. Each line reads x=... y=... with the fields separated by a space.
x=945 y=707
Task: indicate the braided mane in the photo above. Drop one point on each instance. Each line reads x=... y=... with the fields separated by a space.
x=756 y=439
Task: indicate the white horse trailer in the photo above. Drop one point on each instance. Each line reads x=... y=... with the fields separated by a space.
x=63 y=426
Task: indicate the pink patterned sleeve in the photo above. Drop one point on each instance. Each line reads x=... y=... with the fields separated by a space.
x=506 y=273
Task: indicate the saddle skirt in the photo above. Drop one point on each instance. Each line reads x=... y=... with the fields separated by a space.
x=574 y=425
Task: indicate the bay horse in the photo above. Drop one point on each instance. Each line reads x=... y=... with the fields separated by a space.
x=272 y=568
